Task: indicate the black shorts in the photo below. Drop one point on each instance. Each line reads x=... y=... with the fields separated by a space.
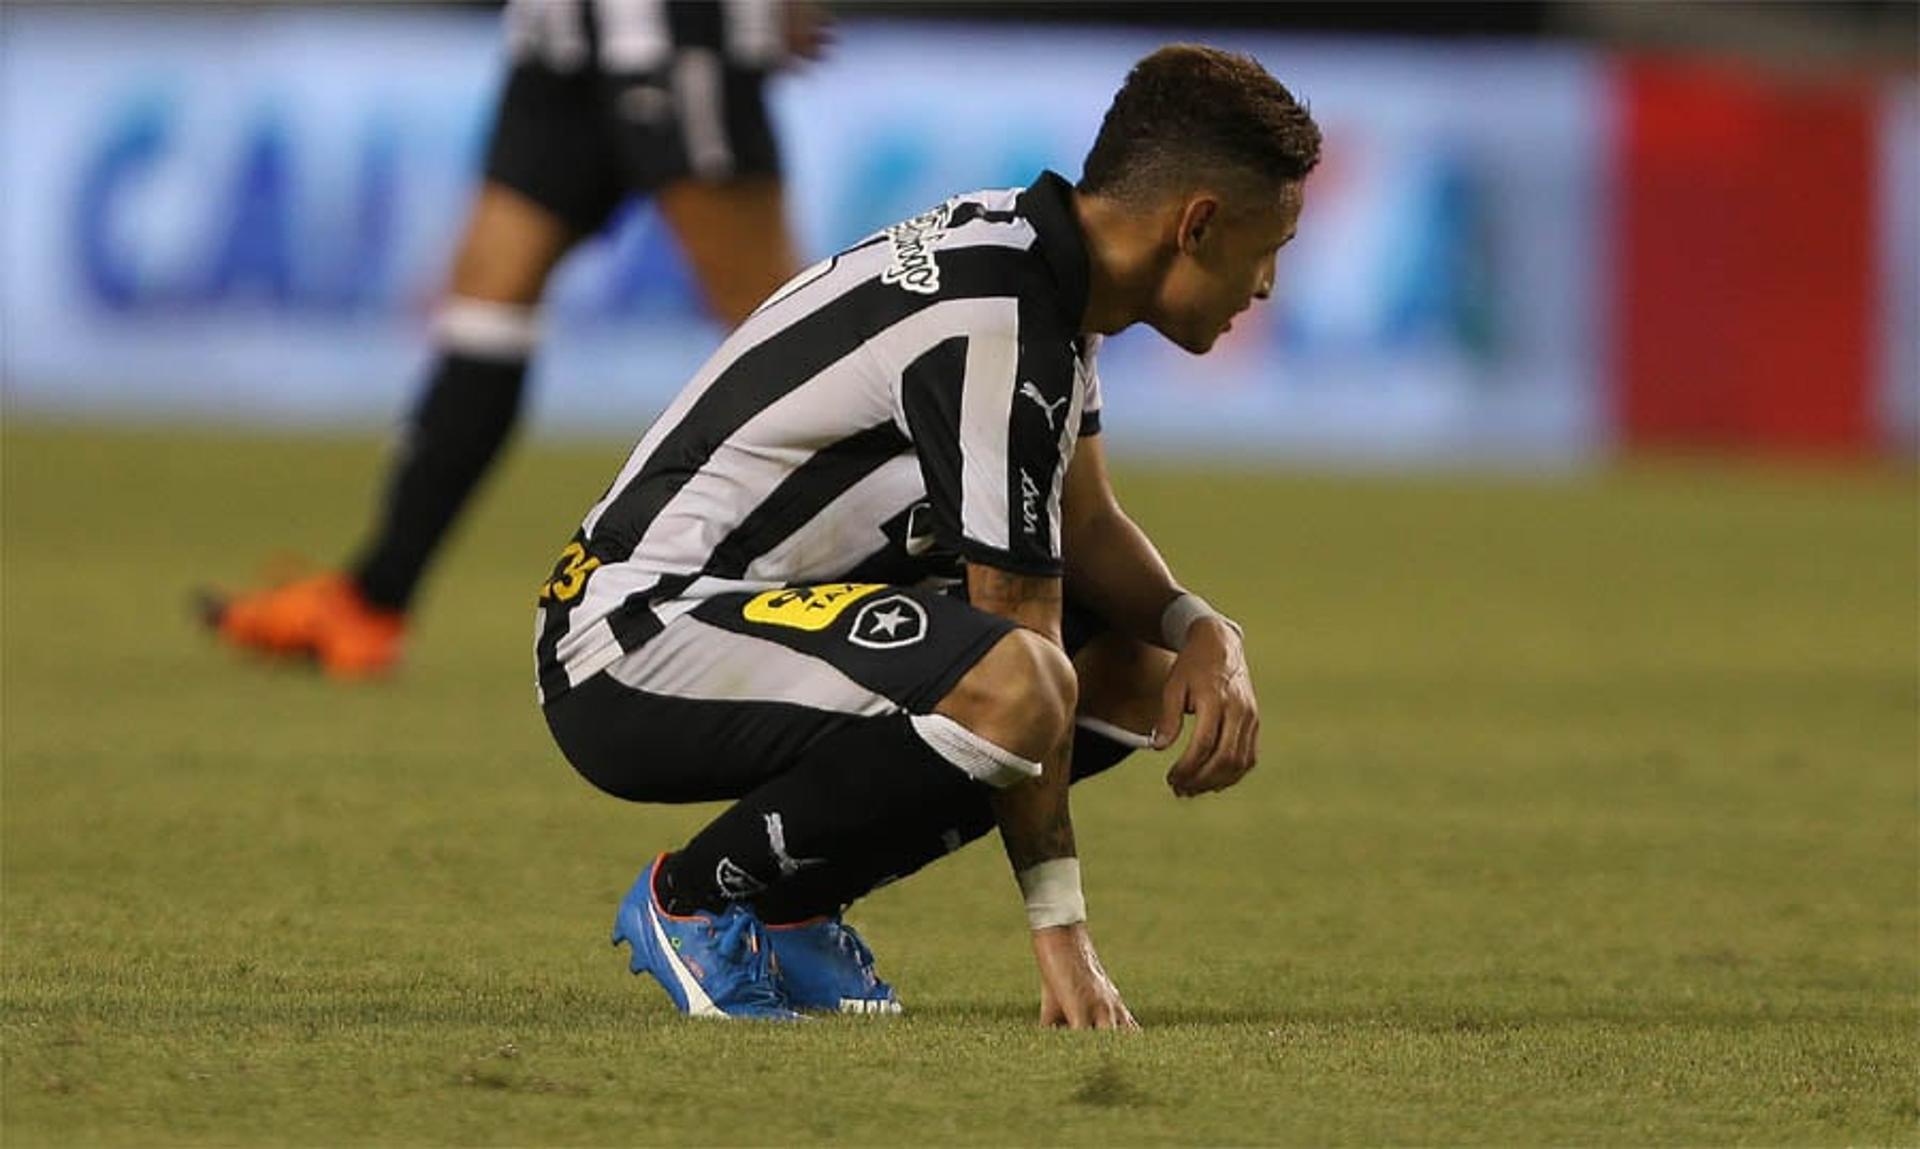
x=580 y=143
x=731 y=693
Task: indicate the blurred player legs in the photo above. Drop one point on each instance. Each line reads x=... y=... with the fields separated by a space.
x=570 y=144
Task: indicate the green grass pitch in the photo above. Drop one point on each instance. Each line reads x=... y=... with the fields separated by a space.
x=1586 y=815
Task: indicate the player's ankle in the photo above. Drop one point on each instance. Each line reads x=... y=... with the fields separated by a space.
x=679 y=896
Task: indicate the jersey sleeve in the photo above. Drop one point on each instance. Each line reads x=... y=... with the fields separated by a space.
x=1090 y=374
x=994 y=417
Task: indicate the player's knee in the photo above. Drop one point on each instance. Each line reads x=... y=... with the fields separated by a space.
x=510 y=248
x=1048 y=692
x=1021 y=696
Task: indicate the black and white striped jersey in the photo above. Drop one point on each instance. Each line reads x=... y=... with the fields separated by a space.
x=908 y=404
x=631 y=37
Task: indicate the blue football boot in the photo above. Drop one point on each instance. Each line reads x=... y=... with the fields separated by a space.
x=711 y=965
x=824 y=966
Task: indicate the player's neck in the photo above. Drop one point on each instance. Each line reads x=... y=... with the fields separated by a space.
x=1124 y=263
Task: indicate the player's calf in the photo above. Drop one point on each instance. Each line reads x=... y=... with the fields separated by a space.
x=1120 y=685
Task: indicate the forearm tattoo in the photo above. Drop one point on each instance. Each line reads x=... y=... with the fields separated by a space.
x=1035 y=824
x=990 y=588
x=1032 y=601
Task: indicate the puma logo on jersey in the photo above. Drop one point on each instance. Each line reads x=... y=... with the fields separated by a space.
x=1033 y=393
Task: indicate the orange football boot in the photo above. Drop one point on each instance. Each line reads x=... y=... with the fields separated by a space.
x=321 y=617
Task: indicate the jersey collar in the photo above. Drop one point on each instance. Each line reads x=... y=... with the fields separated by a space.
x=1048 y=205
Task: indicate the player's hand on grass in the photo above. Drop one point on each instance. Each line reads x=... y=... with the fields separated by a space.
x=1075 y=991
x=1210 y=681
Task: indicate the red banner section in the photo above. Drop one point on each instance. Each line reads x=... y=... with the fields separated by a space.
x=1745 y=287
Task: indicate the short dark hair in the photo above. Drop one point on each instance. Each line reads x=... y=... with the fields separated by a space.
x=1188 y=110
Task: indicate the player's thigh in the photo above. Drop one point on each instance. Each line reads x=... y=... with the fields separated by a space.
x=883 y=648
x=733 y=691
x=696 y=135
x=510 y=248
x=649 y=746
x=549 y=151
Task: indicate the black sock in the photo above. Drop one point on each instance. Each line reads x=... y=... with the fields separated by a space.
x=456 y=430
x=920 y=829
x=1095 y=754
x=827 y=828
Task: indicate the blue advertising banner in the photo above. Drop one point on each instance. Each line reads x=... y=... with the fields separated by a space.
x=198 y=232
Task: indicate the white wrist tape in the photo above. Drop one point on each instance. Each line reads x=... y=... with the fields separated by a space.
x=1180 y=616
x=1052 y=890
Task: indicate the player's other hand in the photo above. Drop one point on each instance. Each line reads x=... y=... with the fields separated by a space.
x=1074 y=991
x=809 y=29
x=1210 y=681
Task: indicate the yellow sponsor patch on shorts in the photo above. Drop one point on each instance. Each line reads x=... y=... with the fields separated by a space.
x=807 y=607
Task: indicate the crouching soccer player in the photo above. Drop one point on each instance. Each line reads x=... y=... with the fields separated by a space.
x=866 y=575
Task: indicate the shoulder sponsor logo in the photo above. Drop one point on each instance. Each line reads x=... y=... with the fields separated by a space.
x=1029 y=503
x=890 y=622
x=1032 y=392
x=913 y=241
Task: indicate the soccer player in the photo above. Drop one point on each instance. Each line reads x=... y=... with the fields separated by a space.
x=866 y=576
x=606 y=99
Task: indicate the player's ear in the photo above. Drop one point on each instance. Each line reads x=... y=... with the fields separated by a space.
x=1198 y=217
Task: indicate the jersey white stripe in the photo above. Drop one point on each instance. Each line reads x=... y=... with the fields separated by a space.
x=608 y=588
x=633 y=34
x=758 y=456
x=773 y=317
x=847 y=528
x=556 y=32
x=755 y=32
x=700 y=100
x=1017 y=233
x=986 y=407
x=692 y=659
x=855 y=391
x=718 y=458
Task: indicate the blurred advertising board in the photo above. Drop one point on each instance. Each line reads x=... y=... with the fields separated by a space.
x=196 y=231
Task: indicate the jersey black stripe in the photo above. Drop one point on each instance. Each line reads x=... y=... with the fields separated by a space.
x=795 y=392
x=795 y=502
x=552 y=675
x=781 y=364
x=971 y=210
x=695 y=23
x=930 y=394
x=800 y=497
x=1033 y=434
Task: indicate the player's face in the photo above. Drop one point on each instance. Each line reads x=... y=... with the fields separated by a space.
x=1225 y=261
